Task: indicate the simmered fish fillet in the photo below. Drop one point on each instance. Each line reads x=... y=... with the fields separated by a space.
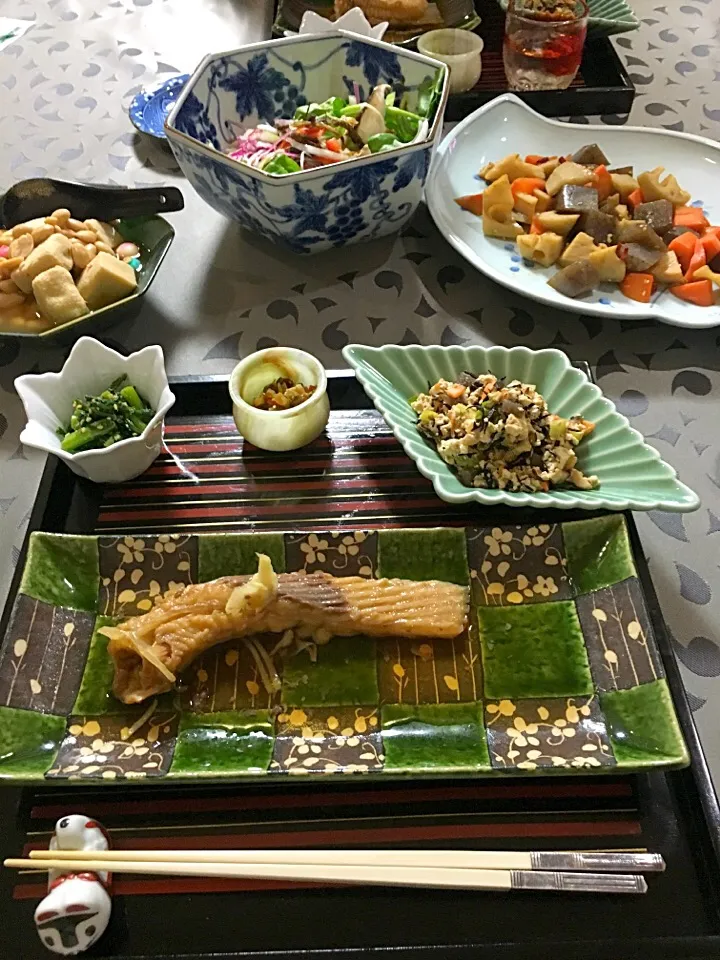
x=149 y=650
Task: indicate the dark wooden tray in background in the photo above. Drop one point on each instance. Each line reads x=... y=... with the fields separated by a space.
x=602 y=85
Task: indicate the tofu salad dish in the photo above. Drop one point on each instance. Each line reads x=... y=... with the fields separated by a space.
x=502 y=435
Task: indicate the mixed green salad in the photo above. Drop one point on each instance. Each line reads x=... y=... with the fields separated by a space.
x=96 y=422
x=339 y=129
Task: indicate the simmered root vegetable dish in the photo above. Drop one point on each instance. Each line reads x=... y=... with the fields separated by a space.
x=601 y=224
x=502 y=435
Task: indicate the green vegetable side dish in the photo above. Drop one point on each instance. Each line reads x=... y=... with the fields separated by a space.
x=118 y=413
x=339 y=129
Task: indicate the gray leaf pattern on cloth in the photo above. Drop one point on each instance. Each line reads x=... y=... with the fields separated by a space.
x=522 y=323
x=449 y=338
x=225 y=349
x=701 y=656
x=692 y=585
x=334 y=337
x=449 y=274
x=693 y=382
x=322 y=303
x=424 y=309
x=695 y=703
x=632 y=403
x=607 y=364
x=389 y=280
x=667 y=434
x=670 y=523
x=279 y=309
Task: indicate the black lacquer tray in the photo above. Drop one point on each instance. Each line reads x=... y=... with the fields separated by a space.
x=674 y=813
x=601 y=87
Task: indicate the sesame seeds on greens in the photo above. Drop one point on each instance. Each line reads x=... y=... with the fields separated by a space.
x=115 y=414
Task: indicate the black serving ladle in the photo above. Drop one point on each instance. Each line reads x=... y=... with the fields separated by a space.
x=38 y=197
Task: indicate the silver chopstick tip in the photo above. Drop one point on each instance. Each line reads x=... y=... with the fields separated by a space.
x=598 y=862
x=578 y=882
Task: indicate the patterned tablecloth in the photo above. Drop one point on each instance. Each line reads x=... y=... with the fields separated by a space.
x=64 y=91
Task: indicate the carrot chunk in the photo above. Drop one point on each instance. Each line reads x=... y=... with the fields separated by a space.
x=711 y=244
x=697 y=259
x=698 y=292
x=692 y=217
x=603 y=182
x=635 y=198
x=526 y=185
x=473 y=203
x=638 y=286
x=683 y=247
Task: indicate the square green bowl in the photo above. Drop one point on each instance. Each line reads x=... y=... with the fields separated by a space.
x=153 y=235
x=632 y=475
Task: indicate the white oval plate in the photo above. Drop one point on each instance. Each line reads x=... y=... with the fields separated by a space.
x=506 y=125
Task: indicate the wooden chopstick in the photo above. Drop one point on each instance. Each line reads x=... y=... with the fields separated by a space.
x=366 y=874
x=446 y=859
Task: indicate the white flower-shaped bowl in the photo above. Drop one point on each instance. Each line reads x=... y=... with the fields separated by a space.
x=90 y=369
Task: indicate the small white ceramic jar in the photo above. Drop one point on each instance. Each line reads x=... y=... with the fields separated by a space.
x=461 y=50
x=279 y=429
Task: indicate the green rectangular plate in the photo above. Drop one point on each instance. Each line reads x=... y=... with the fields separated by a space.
x=558 y=671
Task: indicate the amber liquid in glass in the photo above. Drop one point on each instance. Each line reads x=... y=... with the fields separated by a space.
x=542 y=58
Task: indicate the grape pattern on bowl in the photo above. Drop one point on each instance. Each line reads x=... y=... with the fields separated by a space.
x=333 y=207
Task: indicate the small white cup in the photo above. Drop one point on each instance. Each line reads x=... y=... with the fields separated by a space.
x=279 y=429
x=461 y=50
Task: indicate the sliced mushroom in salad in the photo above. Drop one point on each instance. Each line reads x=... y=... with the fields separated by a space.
x=502 y=435
x=335 y=130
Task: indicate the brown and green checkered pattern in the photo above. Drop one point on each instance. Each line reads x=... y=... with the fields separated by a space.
x=557 y=671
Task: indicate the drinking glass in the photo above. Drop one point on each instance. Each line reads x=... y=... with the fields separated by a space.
x=543 y=43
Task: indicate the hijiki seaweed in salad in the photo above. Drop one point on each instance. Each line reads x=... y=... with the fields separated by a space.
x=502 y=435
x=335 y=130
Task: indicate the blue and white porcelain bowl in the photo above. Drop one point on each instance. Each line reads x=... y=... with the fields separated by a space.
x=316 y=209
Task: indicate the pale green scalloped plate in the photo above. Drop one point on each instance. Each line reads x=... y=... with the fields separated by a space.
x=632 y=474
